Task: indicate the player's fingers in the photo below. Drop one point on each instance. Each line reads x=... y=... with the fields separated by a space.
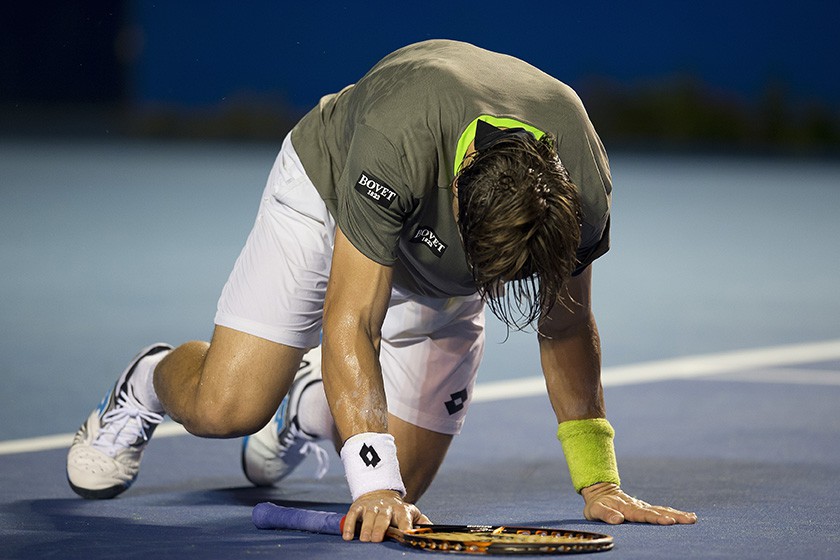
x=350 y=521
x=663 y=515
x=686 y=517
x=381 y=522
x=637 y=511
x=599 y=511
x=646 y=514
x=408 y=516
x=369 y=528
x=679 y=516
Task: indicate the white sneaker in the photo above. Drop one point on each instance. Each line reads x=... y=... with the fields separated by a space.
x=271 y=454
x=104 y=458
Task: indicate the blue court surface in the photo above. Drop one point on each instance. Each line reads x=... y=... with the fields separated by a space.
x=718 y=314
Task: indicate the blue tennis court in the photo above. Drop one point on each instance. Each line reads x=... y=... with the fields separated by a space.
x=718 y=313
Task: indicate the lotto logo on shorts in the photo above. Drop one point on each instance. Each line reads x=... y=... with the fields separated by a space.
x=429 y=238
x=375 y=189
x=457 y=402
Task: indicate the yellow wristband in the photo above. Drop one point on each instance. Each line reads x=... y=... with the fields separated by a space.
x=590 y=453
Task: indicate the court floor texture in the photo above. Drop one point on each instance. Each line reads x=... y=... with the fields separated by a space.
x=718 y=314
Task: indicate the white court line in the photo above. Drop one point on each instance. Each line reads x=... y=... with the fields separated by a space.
x=43 y=443
x=786 y=376
x=646 y=372
x=677 y=368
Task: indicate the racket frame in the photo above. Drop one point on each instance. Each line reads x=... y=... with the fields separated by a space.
x=500 y=540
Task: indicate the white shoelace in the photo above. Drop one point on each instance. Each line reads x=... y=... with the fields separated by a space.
x=124 y=424
x=309 y=446
x=320 y=454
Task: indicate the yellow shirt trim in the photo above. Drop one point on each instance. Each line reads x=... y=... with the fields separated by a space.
x=468 y=135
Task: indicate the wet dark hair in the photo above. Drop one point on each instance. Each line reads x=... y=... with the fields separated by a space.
x=519 y=218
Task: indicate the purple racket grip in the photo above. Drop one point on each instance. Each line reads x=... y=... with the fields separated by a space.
x=271 y=516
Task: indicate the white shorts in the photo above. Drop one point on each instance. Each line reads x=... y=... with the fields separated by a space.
x=431 y=347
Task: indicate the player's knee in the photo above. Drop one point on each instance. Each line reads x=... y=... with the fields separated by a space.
x=215 y=419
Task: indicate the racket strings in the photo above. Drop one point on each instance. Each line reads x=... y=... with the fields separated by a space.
x=509 y=537
x=503 y=540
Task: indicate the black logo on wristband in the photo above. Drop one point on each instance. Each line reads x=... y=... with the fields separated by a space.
x=369 y=456
x=457 y=401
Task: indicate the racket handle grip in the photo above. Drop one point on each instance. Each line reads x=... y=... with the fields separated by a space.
x=271 y=516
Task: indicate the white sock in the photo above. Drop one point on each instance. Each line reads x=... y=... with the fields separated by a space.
x=314 y=416
x=142 y=382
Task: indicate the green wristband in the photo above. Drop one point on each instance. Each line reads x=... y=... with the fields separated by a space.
x=590 y=453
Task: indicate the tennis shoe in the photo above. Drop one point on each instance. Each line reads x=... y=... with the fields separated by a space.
x=104 y=458
x=271 y=454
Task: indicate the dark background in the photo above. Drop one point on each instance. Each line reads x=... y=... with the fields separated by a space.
x=654 y=74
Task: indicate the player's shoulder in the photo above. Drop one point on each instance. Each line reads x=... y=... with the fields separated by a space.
x=446 y=67
x=416 y=61
x=432 y=52
x=441 y=58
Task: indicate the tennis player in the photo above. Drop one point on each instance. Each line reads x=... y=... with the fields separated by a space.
x=447 y=179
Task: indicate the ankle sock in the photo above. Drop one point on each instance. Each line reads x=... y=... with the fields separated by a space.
x=142 y=382
x=314 y=416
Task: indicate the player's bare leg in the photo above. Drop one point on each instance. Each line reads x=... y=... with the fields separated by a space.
x=228 y=388
x=420 y=453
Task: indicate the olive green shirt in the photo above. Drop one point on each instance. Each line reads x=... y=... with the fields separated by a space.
x=383 y=153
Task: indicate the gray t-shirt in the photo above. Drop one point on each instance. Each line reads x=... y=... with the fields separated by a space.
x=383 y=154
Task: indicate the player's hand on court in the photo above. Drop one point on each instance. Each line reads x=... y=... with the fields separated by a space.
x=608 y=503
x=376 y=511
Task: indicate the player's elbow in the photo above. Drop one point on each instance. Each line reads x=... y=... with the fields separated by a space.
x=568 y=325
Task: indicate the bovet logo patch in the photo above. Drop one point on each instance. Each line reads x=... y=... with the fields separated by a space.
x=429 y=238
x=375 y=189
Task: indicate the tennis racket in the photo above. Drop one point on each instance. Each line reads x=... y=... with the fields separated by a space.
x=463 y=539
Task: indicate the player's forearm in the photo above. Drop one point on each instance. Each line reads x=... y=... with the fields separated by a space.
x=354 y=309
x=571 y=362
x=353 y=379
x=356 y=395
x=572 y=365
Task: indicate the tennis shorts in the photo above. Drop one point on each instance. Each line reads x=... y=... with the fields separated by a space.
x=431 y=347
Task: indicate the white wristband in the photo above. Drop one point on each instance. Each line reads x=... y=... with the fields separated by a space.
x=370 y=463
